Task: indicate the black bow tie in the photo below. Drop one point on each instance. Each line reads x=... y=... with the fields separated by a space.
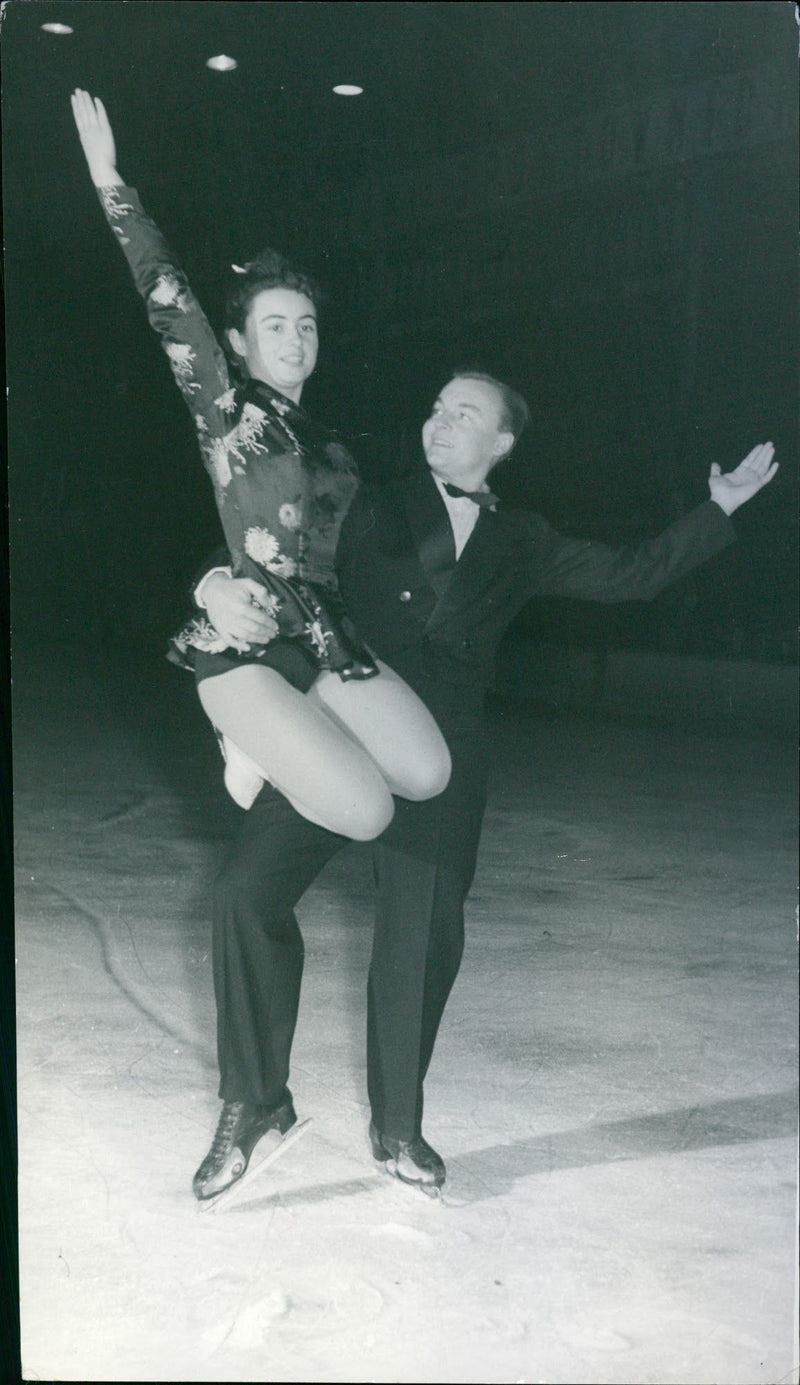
x=483 y=498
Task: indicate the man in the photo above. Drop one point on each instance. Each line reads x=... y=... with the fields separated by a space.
x=432 y=569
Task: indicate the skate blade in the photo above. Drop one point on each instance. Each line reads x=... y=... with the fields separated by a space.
x=256 y=1167
x=431 y=1190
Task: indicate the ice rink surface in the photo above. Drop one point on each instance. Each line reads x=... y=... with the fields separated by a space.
x=612 y=1090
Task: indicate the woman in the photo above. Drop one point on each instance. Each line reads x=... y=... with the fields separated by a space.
x=336 y=731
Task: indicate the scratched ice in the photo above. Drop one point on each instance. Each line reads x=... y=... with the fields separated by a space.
x=612 y=1087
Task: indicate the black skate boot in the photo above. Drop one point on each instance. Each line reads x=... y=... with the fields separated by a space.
x=239 y=1130
x=412 y=1161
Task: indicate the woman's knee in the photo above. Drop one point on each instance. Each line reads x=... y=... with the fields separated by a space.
x=425 y=776
x=369 y=816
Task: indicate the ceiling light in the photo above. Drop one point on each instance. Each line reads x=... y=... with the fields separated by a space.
x=222 y=63
x=57 y=29
x=344 y=89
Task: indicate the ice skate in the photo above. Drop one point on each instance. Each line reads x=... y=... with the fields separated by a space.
x=243 y=778
x=413 y=1162
x=248 y=1139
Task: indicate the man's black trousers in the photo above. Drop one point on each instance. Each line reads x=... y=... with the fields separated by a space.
x=424 y=865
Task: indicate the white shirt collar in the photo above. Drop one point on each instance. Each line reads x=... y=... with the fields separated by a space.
x=463 y=514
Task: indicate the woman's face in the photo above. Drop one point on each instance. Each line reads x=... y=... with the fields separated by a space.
x=279 y=342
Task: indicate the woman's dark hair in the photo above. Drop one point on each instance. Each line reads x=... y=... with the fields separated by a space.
x=515 y=411
x=269 y=270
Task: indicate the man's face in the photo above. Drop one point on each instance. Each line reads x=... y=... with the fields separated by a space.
x=464 y=436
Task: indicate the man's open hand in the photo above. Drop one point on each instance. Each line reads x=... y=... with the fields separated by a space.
x=732 y=488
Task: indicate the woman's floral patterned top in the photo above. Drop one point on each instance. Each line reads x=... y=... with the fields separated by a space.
x=282 y=483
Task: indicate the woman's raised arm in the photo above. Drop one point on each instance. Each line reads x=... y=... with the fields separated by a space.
x=97 y=139
x=195 y=356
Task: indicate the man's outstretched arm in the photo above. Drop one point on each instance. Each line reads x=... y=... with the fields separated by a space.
x=594 y=571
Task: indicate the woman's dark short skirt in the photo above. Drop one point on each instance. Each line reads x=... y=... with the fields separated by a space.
x=287 y=657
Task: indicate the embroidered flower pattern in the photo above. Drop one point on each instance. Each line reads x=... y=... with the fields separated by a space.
x=217 y=455
x=181 y=358
x=112 y=206
x=289 y=516
x=261 y=546
x=247 y=432
x=318 y=637
x=227 y=401
x=252 y=419
x=284 y=567
x=200 y=634
x=167 y=292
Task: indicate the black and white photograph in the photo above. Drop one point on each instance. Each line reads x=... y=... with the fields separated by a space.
x=401 y=772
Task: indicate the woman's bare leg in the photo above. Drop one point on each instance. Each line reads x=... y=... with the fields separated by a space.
x=394 y=727
x=311 y=760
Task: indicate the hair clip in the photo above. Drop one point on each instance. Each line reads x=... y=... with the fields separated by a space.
x=237 y=269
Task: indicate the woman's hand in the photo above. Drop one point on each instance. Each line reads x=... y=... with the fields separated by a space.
x=735 y=487
x=96 y=137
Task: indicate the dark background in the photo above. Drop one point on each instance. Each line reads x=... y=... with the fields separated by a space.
x=596 y=201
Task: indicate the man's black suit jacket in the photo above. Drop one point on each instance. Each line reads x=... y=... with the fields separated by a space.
x=439 y=622
x=419 y=609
